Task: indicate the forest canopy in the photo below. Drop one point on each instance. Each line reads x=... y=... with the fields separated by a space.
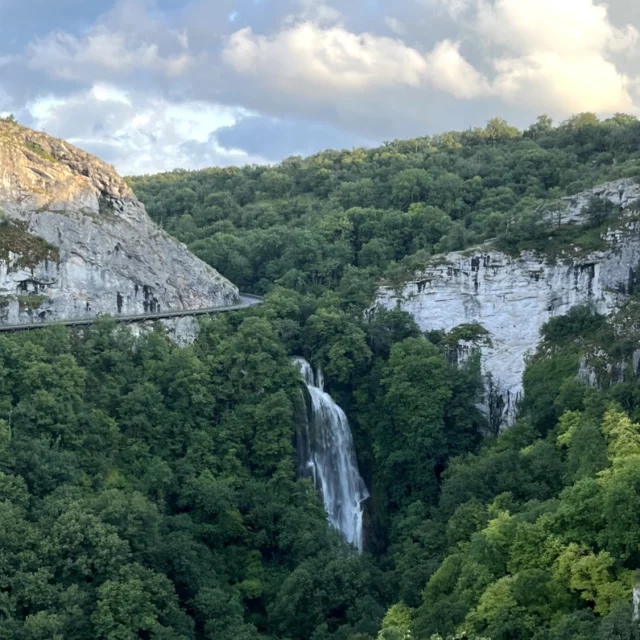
x=150 y=491
x=305 y=223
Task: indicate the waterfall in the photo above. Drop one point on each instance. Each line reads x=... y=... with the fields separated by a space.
x=636 y=603
x=327 y=455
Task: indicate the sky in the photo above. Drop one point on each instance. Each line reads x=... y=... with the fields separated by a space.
x=153 y=85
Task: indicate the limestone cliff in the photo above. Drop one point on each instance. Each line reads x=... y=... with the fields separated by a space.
x=75 y=242
x=513 y=296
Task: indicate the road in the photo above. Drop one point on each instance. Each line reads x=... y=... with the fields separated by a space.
x=246 y=301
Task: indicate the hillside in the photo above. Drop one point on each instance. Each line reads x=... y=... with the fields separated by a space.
x=494 y=227
x=452 y=508
x=509 y=296
x=75 y=242
x=151 y=491
x=301 y=223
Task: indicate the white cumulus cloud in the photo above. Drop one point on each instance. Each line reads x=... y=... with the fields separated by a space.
x=452 y=73
x=565 y=84
x=563 y=26
x=68 y=57
x=557 y=55
x=392 y=68
x=309 y=58
x=139 y=134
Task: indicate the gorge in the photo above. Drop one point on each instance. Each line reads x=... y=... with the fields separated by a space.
x=216 y=489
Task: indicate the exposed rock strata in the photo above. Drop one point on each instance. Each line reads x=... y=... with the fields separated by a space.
x=512 y=297
x=99 y=252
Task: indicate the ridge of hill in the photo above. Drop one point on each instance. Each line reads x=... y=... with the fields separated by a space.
x=75 y=242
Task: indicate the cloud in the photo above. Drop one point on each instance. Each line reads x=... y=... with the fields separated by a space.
x=376 y=86
x=544 y=55
x=395 y=25
x=455 y=8
x=310 y=59
x=101 y=111
x=331 y=63
x=567 y=27
x=139 y=134
x=569 y=84
x=449 y=71
x=557 y=55
x=315 y=11
x=626 y=40
x=151 y=83
x=65 y=56
x=22 y=20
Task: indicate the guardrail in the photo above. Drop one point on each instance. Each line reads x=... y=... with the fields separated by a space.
x=246 y=301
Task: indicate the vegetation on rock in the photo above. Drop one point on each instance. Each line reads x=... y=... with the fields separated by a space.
x=31 y=302
x=21 y=249
x=37 y=149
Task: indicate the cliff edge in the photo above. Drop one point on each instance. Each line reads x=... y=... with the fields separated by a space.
x=75 y=242
x=509 y=297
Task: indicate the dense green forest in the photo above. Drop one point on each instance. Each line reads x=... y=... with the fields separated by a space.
x=150 y=491
x=306 y=224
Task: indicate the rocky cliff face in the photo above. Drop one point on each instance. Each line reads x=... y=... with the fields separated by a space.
x=513 y=296
x=75 y=242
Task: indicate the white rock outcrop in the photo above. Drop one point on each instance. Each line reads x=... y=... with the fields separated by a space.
x=76 y=243
x=624 y=193
x=512 y=297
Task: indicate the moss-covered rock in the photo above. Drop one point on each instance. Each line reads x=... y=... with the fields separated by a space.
x=32 y=302
x=19 y=249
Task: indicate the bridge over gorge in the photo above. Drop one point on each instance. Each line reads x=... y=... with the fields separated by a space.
x=246 y=301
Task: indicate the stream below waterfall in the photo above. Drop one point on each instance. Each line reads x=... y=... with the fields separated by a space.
x=327 y=455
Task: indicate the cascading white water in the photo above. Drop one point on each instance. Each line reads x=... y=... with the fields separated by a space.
x=328 y=456
x=636 y=603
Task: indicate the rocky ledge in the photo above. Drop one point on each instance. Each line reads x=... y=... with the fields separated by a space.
x=75 y=242
x=511 y=297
